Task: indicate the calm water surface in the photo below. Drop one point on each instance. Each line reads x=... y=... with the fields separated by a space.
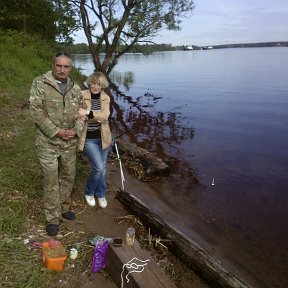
x=221 y=116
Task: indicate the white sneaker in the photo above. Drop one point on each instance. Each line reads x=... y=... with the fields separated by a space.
x=102 y=202
x=90 y=200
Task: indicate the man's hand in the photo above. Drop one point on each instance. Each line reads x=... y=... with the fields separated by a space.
x=70 y=134
x=66 y=134
x=61 y=134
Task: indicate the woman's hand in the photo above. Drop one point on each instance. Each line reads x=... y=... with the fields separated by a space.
x=82 y=112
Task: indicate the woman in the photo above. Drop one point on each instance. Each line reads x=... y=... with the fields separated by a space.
x=96 y=137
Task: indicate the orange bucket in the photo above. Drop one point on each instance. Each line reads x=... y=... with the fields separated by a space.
x=51 y=260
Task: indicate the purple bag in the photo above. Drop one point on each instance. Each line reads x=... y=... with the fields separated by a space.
x=99 y=256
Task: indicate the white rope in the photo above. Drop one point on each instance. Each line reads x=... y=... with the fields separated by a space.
x=120 y=165
x=138 y=268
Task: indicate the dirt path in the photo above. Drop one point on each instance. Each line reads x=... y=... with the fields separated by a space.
x=93 y=221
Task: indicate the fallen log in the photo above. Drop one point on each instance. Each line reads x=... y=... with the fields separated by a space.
x=153 y=165
x=185 y=249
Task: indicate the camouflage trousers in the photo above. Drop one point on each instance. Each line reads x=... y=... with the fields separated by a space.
x=58 y=164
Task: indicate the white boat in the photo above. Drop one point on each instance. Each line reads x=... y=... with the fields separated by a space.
x=188 y=48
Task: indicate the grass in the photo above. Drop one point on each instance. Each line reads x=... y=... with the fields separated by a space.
x=21 y=182
x=20 y=174
x=22 y=269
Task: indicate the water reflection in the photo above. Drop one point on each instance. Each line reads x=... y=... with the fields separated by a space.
x=137 y=121
x=122 y=78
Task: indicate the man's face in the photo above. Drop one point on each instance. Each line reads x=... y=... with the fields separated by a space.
x=61 y=68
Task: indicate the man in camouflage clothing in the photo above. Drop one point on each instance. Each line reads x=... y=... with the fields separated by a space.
x=54 y=103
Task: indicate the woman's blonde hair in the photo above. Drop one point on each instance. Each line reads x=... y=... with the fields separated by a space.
x=98 y=78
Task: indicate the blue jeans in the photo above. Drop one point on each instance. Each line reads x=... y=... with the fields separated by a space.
x=96 y=183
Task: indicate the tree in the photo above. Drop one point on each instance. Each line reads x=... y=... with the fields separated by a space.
x=118 y=25
x=52 y=20
x=66 y=20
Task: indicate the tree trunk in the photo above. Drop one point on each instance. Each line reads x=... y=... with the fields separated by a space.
x=153 y=165
x=185 y=249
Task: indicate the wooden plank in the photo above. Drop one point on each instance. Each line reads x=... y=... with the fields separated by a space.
x=151 y=276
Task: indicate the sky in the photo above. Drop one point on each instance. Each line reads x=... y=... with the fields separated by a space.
x=215 y=22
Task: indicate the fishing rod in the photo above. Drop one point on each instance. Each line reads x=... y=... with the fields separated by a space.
x=120 y=166
x=125 y=132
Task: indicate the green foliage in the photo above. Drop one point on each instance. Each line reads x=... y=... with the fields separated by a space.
x=66 y=20
x=31 y=16
x=146 y=48
x=50 y=20
x=22 y=57
x=25 y=40
x=80 y=48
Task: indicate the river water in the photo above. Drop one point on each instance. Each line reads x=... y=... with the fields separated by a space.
x=220 y=116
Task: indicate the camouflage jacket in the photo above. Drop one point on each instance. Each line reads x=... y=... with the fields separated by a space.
x=52 y=111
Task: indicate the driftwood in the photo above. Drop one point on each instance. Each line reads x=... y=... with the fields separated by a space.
x=185 y=249
x=153 y=164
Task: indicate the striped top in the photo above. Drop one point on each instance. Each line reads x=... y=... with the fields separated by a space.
x=93 y=130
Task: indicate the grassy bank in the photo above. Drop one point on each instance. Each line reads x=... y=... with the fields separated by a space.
x=21 y=59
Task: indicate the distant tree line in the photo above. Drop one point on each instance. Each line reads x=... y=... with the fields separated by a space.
x=82 y=48
x=246 y=45
x=147 y=49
